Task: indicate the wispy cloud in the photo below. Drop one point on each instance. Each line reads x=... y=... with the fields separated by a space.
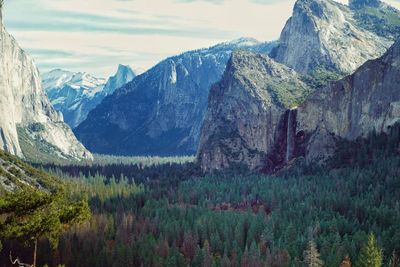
x=96 y=35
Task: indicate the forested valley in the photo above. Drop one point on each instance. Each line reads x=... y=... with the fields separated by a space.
x=168 y=214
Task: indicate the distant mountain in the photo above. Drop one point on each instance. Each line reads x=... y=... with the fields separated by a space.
x=324 y=34
x=161 y=111
x=76 y=94
x=28 y=122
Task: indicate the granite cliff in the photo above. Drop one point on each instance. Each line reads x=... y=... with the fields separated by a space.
x=25 y=108
x=247 y=116
x=324 y=34
x=366 y=101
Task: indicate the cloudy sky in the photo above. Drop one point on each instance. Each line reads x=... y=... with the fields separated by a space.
x=95 y=35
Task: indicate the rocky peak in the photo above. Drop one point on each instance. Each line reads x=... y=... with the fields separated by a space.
x=123 y=75
x=246 y=113
x=323 y=34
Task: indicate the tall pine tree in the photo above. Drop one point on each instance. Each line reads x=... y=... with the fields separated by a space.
x=371 y=254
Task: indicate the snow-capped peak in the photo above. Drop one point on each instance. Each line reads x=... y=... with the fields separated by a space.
x=57 y=79
x=243 y=42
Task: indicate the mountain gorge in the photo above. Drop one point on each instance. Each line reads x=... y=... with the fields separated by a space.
x=161 y=111
x=76 y=94
x=30 y=118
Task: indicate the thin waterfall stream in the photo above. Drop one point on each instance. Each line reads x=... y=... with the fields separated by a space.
x=290 y=134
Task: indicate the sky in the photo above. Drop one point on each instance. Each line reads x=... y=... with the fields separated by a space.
x=95 y=36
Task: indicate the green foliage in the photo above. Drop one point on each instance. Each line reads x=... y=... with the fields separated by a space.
x=36 y=127
x=384 y=21
x=371 y=254
x=162 y=215
x=321 y=77
x=29 y=214
x=37 y=207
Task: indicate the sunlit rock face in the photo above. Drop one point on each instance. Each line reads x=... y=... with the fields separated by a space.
x=325 y=34
x=23 y=103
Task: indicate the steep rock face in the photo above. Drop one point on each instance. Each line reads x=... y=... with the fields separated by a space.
x=355 y=106
x=23 y=103
x=76 y=94
x=161 y=111
x=246 y=117
x=324 y=34
x=123 y=75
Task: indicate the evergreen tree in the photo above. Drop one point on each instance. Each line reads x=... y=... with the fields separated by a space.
x=198 y=258
x=30 y=214
x=311 y=255
x=370 y=254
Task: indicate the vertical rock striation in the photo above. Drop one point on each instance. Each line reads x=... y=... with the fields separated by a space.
x=366 y=101
x=23 y=104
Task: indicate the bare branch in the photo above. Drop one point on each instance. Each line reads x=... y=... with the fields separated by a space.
x=17 y=261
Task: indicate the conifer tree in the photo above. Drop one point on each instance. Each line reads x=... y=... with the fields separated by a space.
x=311 y=255
x=371 y=254
x=30 y=214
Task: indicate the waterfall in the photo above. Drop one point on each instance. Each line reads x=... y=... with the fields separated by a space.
x=290 y=134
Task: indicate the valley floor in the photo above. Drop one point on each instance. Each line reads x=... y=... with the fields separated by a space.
x=166 y=215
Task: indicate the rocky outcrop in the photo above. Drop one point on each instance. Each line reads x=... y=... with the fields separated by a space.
x=366 y=101
x=76 y=94
x=247 y=118
x=23 y=103
x=325 y=34
x=161 y=111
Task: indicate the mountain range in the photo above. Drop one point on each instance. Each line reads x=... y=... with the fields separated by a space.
x=260 y=104
x=76 y=94
x=161 y=111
